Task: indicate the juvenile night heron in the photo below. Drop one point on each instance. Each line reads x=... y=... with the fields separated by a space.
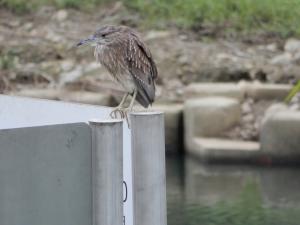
x=126 y=57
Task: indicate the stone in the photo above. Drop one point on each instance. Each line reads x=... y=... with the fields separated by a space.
x=174 y=84
x=275 y=108
x=248 y=118
x=280 y=134
x=183 y=60
x=246 y=108
x=14 y=23
x=294 y=107
x=295 y=102
x=60 y=15
x=28 y=26
x=86 y=97
x=67 y=65
x=71 y=76
x=209 y=117
x=173 y=125
x=90 y=67
x=260 y=91
x=154 y=34
x=51 y=68
x=214 y=89
x=214 y=149
x=54 y=37
x=52 y=94
x=296 y=58
x=283 y=59
x=272 y=47
x=292 y=45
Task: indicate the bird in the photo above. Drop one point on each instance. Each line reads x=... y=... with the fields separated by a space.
x=129 y=61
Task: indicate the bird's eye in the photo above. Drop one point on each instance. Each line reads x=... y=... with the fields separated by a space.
x=103 y=35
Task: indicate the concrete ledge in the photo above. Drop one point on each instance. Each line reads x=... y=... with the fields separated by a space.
x=280 y=134
x=70 y=96
x=86 y=97
x=230 y=90
x=50 y=94
x=210 y=116
x=256 y=90
x=214 y=149
x=260 y=91
x=173 y=114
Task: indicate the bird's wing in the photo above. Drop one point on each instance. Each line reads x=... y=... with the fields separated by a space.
x=142 y=68
x=148 y=55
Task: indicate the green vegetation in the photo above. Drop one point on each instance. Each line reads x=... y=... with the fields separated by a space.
x=8 y=60
x=278 y=16
x=293 y=92
x=241 y=15
x=23 y=6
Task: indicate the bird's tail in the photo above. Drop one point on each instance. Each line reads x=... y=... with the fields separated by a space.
x=144 y=99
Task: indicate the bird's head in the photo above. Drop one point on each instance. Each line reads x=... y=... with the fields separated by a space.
x=103 y=36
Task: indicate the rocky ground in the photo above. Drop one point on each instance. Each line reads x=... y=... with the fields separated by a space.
x=37 y=51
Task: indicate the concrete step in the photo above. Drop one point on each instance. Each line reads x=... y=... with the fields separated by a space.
x=215 y=149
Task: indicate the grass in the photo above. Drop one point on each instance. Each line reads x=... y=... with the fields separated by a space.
x=293 y=92
x=8 y=60
x=278 y=16
x=25 y=6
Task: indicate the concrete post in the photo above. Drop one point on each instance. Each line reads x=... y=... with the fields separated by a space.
x=107 y=167
x=149 y=177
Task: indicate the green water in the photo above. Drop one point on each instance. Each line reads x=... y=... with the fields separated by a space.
x=231 y=195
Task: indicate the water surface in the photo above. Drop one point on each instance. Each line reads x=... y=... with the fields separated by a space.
x=201 y=194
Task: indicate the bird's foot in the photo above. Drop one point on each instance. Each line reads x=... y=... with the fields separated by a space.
x=120 y=112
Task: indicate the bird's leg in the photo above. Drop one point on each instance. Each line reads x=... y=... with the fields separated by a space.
x=124 y=111
x=132 y=100
x=123 y=101
x=119 y=108
x=129 y=108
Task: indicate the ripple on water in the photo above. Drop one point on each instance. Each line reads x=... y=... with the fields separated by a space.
x=254 y=200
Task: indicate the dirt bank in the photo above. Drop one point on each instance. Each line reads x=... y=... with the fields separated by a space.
x=37 y=50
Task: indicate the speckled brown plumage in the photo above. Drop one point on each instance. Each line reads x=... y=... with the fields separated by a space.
x=121 y=51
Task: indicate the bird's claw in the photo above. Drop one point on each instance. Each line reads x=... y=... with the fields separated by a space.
x=117 y=111
x=122 y=112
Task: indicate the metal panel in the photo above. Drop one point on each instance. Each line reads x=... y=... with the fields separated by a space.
x=18 y=112
x=149 y=177
x=107 y=164
x=45 y=175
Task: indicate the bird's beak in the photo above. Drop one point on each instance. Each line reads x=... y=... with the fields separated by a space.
x=90 y=39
